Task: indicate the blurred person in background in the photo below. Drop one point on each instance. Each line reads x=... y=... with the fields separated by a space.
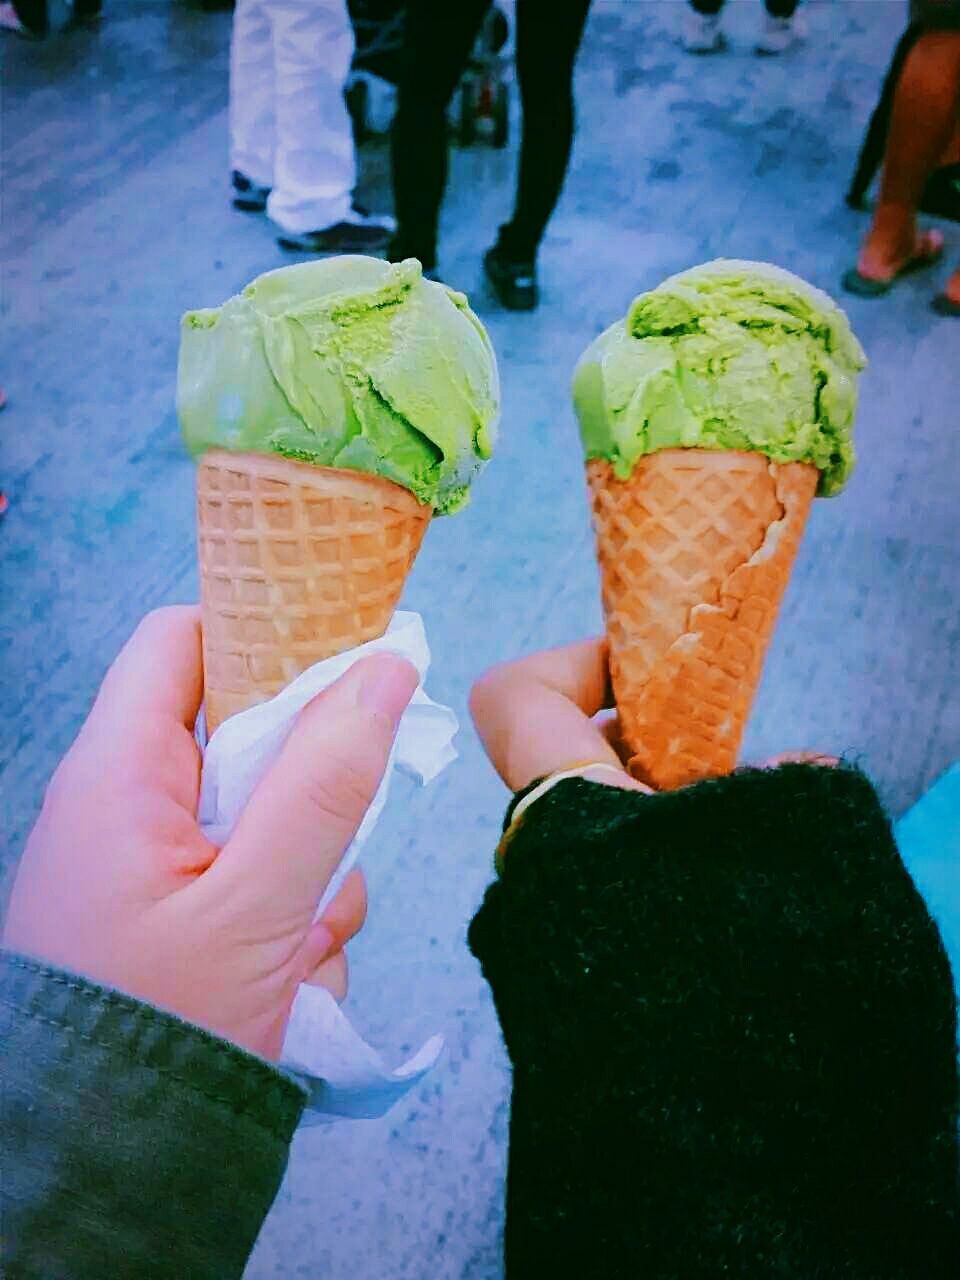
x=291 y=140
x=703 y=27
x=437 y=44
x=38 y=18
x=922 y=135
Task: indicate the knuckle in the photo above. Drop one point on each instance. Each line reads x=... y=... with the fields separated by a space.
x=489 y=685
x=165 y=613
x=342 y=788
x=153 y=621
x=159 y=622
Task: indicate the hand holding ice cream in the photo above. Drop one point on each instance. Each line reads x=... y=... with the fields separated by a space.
x=119 y=884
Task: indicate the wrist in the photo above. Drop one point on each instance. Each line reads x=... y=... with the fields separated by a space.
x=603 y=772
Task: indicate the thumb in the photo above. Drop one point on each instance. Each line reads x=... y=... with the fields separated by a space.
x=303 y=815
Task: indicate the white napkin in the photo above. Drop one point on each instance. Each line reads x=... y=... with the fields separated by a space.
x=343 y=1074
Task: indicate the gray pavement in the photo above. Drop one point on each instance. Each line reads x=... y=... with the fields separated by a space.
x=116 y=220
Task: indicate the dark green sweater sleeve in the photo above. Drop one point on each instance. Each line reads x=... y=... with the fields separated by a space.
x=132 y=1144
x=732 y=1026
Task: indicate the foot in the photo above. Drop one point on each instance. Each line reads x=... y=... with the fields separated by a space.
x=948 y=302
x=513 y=283
x=400 y=248
x=778 y=35
x=884 y=257
x=361 y=232
x=247 y=194
x=703 y=32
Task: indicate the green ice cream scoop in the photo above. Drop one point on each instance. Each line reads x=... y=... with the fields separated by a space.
x=345 y=362
x=728 y=355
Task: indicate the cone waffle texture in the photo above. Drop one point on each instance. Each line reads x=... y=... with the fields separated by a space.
x=297 y=563
x=695 y=552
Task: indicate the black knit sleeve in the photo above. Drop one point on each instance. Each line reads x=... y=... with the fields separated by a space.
x=732 y=1025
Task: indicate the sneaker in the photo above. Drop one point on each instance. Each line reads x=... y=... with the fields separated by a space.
x=385 y=220
x=247 y=195
x=778 y=35
x=513 y=283
x=360 y=233
x=703 y=32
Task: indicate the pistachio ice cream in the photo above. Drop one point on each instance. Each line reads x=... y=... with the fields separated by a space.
x=346 y=362
x=728 y=355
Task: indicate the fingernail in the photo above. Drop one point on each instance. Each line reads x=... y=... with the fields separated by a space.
x=387 y=684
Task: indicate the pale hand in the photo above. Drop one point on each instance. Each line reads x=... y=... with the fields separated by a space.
x=552 y=711
x=117 y=882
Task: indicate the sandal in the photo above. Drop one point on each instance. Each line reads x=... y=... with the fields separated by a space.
x=870 y=287
x=945 y=306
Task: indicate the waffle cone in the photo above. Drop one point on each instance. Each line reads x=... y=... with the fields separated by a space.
x=695 y=551
x=297 y=563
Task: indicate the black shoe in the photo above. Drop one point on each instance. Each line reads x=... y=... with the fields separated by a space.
x=360 y=233
x=399 y=249
x=514 y=283
x=247 y=195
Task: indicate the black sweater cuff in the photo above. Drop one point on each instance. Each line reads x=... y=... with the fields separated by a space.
x=733 y=1031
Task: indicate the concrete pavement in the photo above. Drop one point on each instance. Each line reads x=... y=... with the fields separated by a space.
x=116 y=219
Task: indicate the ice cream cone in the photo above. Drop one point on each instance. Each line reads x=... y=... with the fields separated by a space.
x=297 y=563
x=695 y=551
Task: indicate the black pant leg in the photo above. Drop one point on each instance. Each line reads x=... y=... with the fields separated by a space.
x=548 y=37
x=776 y=8
x=439 y=35
x=781 y=8
x=33 y=15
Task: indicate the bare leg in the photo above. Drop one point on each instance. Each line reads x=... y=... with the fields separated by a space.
x=922 y=125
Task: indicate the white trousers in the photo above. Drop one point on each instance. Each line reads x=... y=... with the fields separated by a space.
x=289 y=125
